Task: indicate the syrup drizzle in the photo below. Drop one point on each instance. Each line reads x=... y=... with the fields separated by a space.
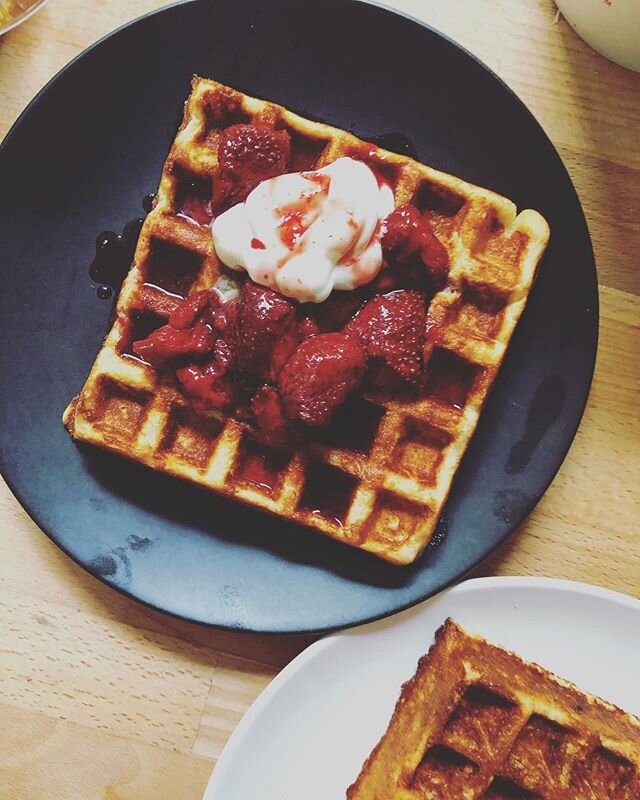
x=440 y=533
x=114 y=254
x=104 y=292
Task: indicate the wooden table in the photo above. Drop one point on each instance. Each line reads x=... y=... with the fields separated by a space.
x=103 y=698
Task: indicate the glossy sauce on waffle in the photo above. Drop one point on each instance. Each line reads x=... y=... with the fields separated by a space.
x=378 y=475
x=476 y=722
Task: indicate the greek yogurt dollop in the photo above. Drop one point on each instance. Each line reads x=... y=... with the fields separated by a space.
x=307 y=233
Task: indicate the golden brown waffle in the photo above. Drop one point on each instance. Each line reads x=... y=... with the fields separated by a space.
x=476 y=721
x=381 y=476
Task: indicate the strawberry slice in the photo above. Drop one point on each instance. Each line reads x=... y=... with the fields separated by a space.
x=320 y=375
x=391 y=329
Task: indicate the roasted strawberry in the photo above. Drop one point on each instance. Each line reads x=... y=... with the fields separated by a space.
x=167 y=343
x=410 y=274
x=194 y=325
x=334 y=313
x=401 y=231
x=320 y=375
x=270 y=417
x=223 y=355
x=208 y=386
x=265 y=331
x=408 y=233
x=193 y=307
x=391 y=329
x=307 y=325
x=247 y=155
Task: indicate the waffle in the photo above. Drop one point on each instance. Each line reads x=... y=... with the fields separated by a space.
x=476 y=721
x=378 y=478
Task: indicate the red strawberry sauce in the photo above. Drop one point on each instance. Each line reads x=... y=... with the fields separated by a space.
x=285 y=367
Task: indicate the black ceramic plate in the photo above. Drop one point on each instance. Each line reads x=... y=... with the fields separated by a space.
x=80 y=160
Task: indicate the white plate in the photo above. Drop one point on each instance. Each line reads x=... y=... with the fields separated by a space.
x=310 y=730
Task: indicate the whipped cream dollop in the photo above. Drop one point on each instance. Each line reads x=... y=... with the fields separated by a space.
x=307 y=233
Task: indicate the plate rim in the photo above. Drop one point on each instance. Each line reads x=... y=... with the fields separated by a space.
x=470 y=586
x=572 y=429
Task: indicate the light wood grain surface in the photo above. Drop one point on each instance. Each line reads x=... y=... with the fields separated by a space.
x=103 y=698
